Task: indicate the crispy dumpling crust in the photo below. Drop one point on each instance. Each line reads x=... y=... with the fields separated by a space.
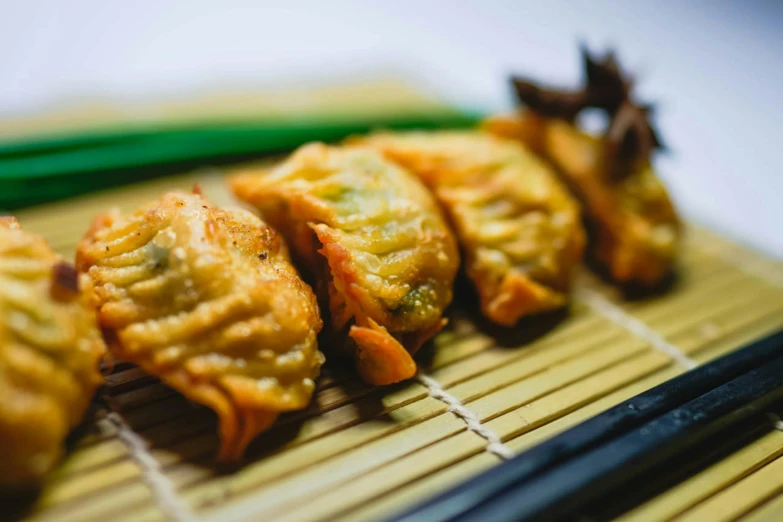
x=518 y=227
x=50 y=349
x=207 y=300
x=635 y=228
x=376 y=242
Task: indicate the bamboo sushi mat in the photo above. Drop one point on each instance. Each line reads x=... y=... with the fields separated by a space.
x=361 y=453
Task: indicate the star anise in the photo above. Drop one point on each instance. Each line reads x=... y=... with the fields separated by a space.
x=553 y=103
x=604 y=83
x=629 y=134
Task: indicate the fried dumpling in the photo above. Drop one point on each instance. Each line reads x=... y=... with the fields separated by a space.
x=518 y=227
x=207 y=300
x=50 y=349
x=375 y=241
x=634 y=228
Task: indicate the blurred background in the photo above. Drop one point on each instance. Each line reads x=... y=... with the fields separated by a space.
x=715 y=67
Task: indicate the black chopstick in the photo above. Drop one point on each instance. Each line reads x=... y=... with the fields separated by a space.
x=622 y=419
x=668 y=473
x=562 y=491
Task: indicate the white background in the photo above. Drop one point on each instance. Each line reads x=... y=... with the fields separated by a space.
x=716 y=68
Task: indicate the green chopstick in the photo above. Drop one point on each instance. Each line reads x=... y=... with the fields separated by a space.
x=57 y=167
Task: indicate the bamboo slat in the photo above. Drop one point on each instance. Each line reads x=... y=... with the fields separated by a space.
x=771 y=511
x=397 y=499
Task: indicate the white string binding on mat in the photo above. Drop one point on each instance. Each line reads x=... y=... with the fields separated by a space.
x=621 y=318
x=161 y=486
x=494 y=444
x=777 y=423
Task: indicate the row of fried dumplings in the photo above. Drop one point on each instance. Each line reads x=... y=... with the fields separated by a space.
x=209 y=299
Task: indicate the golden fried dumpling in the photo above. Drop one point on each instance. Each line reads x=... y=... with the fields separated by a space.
x=50 y=349
x=207 y=300
x=634 y=228
x=518 y=227
x=376 y=242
